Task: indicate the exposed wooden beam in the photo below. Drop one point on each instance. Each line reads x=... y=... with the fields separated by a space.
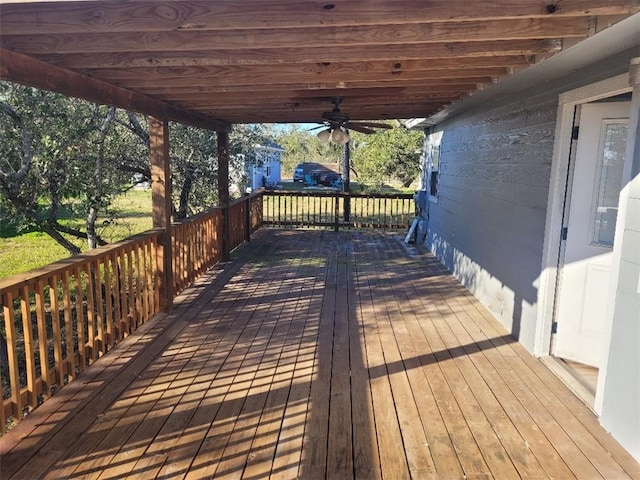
x=319 y=68
x=317 y=109
x=320 y=100
x=276 y=56
x=147 y=16
x=330 y=37
x=22 y=69
x=375 y=112
x=311 y=88
x=140 y=80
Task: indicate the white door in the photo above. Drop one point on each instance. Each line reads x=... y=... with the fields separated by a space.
x=592 y=213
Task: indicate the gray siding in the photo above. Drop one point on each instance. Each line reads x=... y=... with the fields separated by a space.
x=489 y=223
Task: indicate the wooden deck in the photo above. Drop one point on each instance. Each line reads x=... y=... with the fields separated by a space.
x=317 y=355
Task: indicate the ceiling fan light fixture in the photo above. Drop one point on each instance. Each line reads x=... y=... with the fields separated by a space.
x=339 y=136
x=325 y=135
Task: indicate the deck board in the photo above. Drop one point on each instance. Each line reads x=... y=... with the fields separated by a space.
x=317 y=355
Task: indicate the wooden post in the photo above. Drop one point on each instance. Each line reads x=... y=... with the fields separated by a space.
x=336 y=213
x=346 y=180
x=161 y=204
x=223 y=190
x=247 y=219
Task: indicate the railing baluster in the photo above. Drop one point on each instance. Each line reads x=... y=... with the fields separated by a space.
x=67 y=285
x=12 y=347
x=57 y=334
x=108 y=340
x=3 y=417
x=78 y=300
x=131 y=310
x=27 y=331
x=91 y=334
x=140 y=318
x=42 y=338
x=279 y=209
x=99 y=343
x=82 y=347
x=144 y=281
x=118 y=285
x=385 y=211
x=154 y=302
x=156 y=275
x=336 y=219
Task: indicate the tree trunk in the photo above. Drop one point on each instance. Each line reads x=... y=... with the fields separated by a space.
x=57 y=236
x=185 y=192
x=95 y=201
x=92 y=234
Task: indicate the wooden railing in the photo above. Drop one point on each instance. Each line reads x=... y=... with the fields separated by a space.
x=197 y=241
x=196 y=245
x=314 y=209
x=61 y=318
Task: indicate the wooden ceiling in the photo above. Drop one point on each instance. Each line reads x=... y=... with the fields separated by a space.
x=281 y=60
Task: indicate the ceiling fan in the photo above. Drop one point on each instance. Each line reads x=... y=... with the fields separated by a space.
x=337 y=123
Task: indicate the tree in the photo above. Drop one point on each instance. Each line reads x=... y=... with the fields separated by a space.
x=52 y=161
x=304 y=146
x=60 y=154
x=194 y=168
x=393 y=153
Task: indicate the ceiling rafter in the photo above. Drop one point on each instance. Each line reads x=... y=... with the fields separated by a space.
x=278 y=56
x=220 y=62
x=148 y=16
x=330 y=37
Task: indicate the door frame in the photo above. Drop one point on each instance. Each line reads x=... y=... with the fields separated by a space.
x=558 y=186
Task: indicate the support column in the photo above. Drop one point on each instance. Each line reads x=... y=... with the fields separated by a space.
x=247 y=218
x=223 y=190
x=161 y=204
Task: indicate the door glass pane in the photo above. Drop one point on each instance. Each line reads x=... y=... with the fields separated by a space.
x=611 y=163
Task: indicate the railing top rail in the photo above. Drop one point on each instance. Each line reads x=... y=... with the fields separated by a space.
x=20 y=279
x=26 y=278
x=196 y=217
x=334 y=193
x=257 y=193
x=217 y=208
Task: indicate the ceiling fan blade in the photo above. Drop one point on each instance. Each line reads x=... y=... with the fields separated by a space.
x=359 y=128
x=316 y=128
x=373 y=124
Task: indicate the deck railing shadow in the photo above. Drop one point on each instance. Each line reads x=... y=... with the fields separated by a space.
x=61 y=319
x=347 y=379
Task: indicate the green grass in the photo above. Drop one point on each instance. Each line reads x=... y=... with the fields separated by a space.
x=31 y=250
x=20 y=253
